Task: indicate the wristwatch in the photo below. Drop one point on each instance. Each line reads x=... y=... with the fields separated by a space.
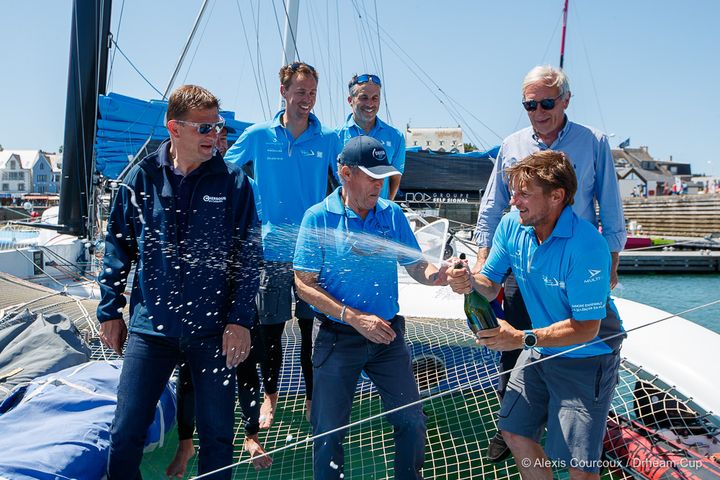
x=529 y=339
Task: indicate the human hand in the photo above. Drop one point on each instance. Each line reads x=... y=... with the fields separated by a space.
x=500 y=339
x=371 y=327
x=458 y=277
x=235 y=344
x=113 y=334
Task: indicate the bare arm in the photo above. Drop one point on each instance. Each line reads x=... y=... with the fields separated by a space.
x=370 y=326
x=613 y=271
x=560 y=334
x=394 y=186
x=427 y=273
x=482 y=255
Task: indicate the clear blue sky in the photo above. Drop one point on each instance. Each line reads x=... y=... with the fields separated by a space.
x=642 y=69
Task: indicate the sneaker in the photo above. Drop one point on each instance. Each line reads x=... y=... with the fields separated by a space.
x=497 y=449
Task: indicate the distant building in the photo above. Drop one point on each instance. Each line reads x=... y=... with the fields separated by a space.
x=639 y=174
x=28 y=171
x=438 y=139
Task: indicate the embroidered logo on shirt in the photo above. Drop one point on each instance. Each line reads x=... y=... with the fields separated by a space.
x=553 y=282
x=210 y=199
x=594 y=275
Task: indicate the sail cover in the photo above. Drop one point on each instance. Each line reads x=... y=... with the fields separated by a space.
x=126 y=123
x=58 y=427
x=444 y=176
x=34 y=344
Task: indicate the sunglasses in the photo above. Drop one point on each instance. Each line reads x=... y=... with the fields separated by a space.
x=295 y=66
x=205 y=128
x=545 y=104
x=365 y=78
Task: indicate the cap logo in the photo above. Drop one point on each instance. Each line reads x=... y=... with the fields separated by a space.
x=379 y=154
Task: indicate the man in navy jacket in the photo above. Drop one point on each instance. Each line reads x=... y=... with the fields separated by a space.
x=187 y=220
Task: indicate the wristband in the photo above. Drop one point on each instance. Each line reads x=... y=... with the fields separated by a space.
x=342 y=313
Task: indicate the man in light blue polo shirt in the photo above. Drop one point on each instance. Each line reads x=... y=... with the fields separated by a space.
x=291 y=157
x=571 y=354
x=346 y=268
x=546 y=96
x=364 y=99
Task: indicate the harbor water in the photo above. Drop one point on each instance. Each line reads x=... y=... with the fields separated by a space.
x=675 y=294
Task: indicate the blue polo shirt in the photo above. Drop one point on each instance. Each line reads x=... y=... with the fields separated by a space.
x=357 y=259
x=391 y=138
x=567 y=276
x=291 y=176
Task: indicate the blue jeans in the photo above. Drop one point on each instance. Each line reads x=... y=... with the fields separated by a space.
x=149 y=362
x=340 y=353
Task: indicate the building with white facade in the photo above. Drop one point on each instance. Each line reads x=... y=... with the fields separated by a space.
x=438 y=139
x=28 y=171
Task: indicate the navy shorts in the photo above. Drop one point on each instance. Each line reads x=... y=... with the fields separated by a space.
x=569 y=396
x=277 y=295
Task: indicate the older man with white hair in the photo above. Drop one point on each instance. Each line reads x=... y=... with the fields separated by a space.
x=545 y=97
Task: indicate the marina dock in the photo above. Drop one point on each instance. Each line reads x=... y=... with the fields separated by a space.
x=680 y=261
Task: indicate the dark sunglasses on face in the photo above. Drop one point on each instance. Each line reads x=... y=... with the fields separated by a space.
x=204 y=128
x=545 y=104
x=365 y=78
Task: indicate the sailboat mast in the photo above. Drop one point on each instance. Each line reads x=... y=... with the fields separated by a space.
x=289 y=41
x=564 y=30
x=87 y=78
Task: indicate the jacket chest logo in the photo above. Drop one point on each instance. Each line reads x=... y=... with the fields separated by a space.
x=211 y=199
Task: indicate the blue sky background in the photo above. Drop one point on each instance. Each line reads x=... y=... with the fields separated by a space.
x=642 y=69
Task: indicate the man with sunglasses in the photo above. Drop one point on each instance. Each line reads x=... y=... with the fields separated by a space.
x=345 y=264
x=364 y=99
x=292 y=157
x=546 y=96
x=181 y=215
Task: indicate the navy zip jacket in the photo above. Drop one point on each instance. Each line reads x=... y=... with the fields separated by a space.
x=185 y=285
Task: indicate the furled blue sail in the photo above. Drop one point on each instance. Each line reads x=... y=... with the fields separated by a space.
x=126 y=123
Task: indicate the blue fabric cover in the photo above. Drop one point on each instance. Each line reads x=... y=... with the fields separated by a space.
x=58 y=427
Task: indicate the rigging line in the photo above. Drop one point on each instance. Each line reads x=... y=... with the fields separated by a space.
x=558 y=22
x=170 y=84
x=419 y=69
x=432 y=91
x=252 y=62
x=382 y=65
x=316 y=46
x=292 y=33
x=258 y=54
x=366 y=35
x=180 y=61
x=542 y=61
x=358 y=28
x=112 y=59
x=456 y=389
x=197 y=44
x=39 y=267
x=117 y=47
x=277 y=24
x=469 y=112
x=341 y=84
x=592 y=77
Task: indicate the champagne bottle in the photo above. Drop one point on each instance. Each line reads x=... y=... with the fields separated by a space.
x=479 y=313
